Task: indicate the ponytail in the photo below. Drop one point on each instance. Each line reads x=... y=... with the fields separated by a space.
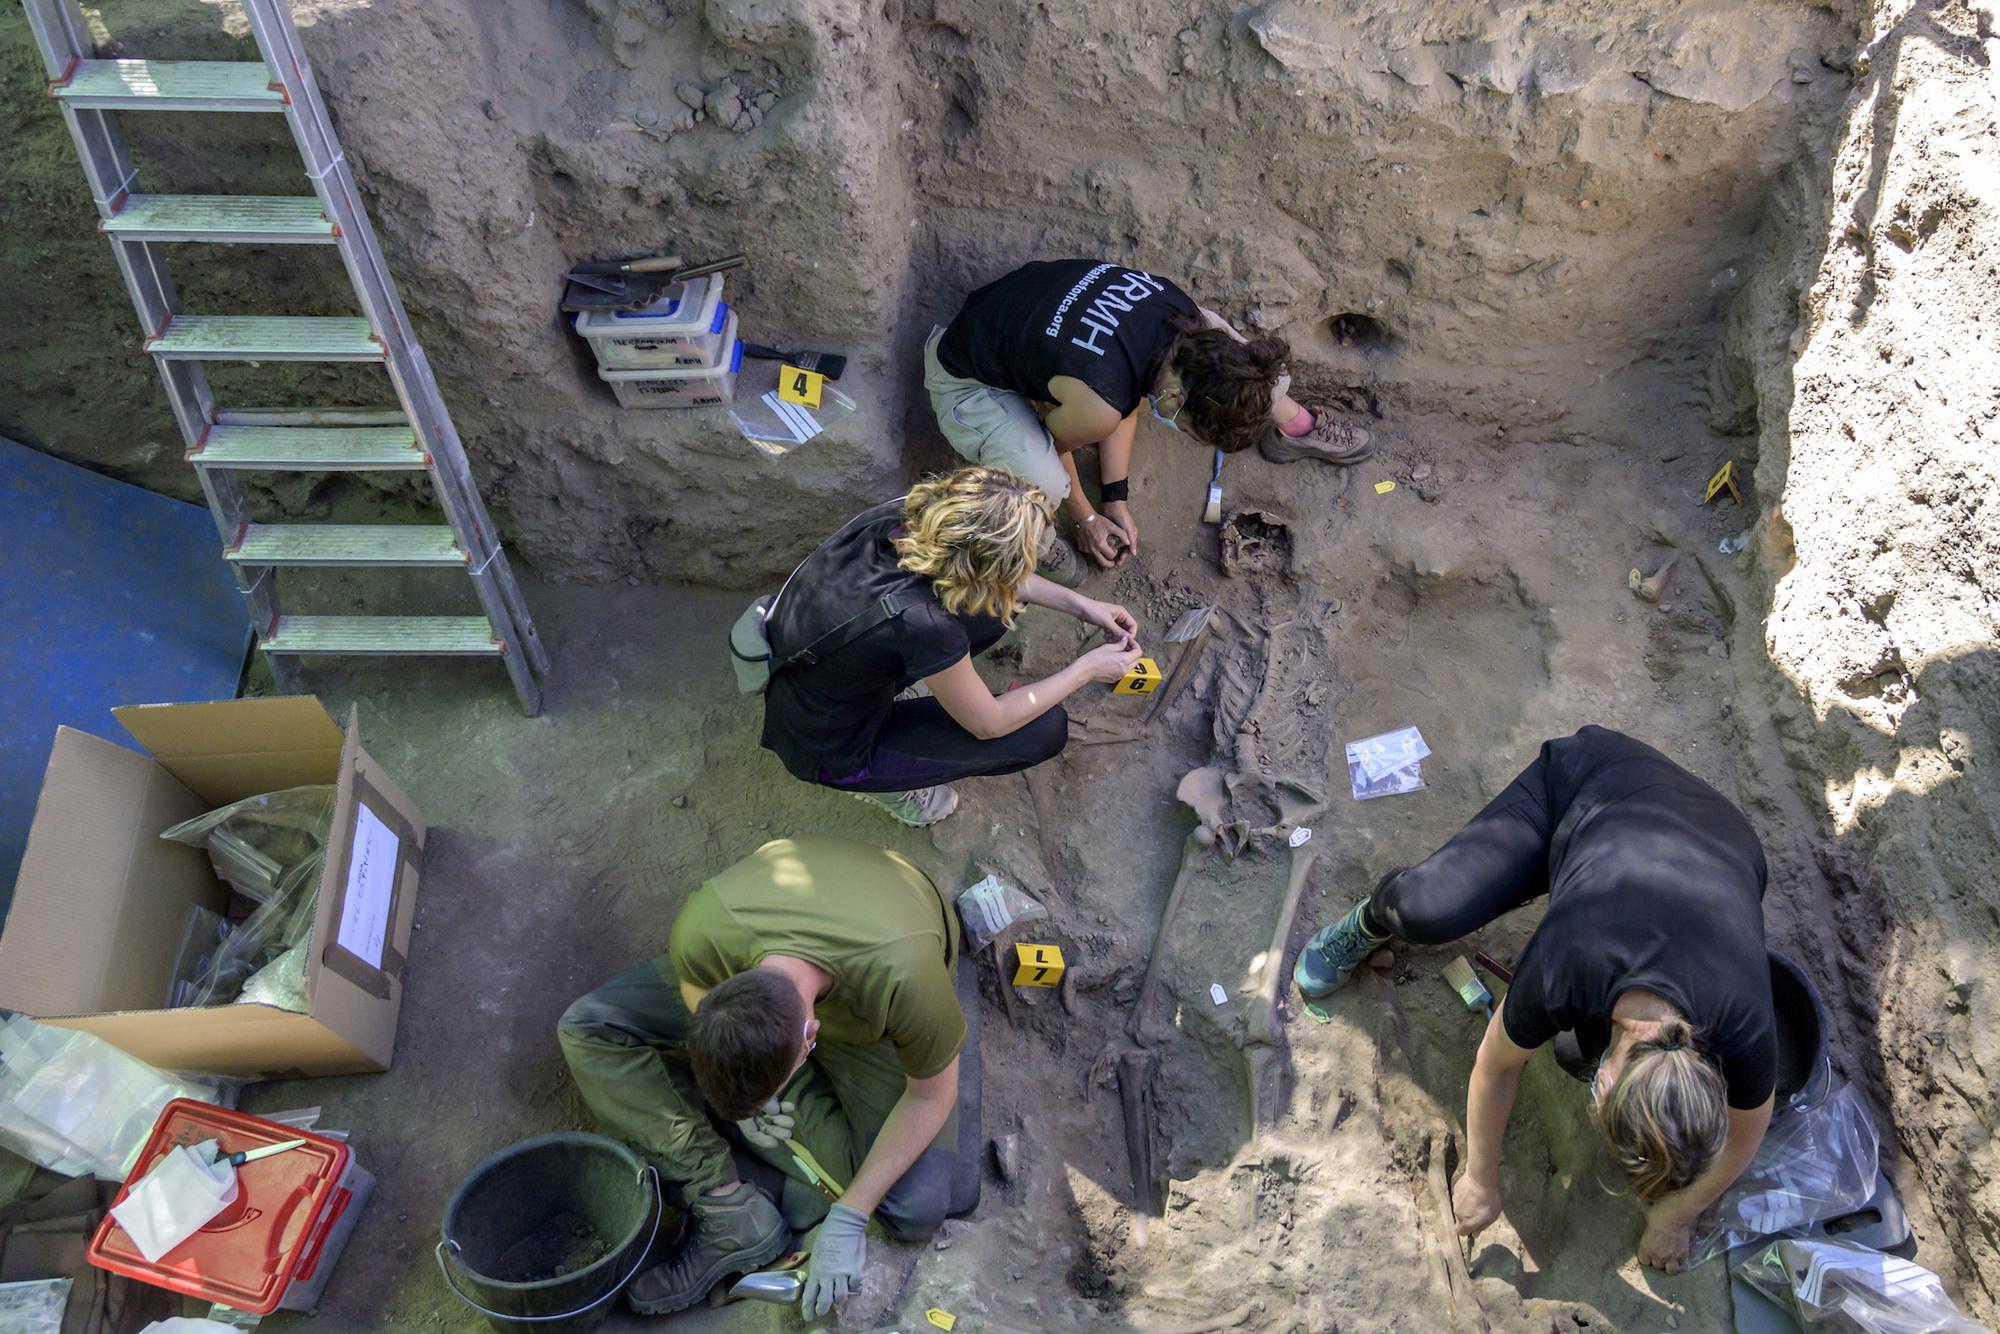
x=1666 y=1120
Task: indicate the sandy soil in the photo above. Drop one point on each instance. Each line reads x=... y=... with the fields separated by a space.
x=1485 y=603
x=1572 y=263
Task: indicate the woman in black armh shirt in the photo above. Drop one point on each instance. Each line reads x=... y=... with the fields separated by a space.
x=958 y=555
x=1651 y=950
x=1063 y=353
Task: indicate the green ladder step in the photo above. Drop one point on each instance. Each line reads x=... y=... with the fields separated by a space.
x=266 y=338
x=453 y=635
x=346 y=544
x=237 y=219
x=310 y=449
x=170 y=85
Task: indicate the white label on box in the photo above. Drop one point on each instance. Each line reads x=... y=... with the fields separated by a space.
x=371 y=889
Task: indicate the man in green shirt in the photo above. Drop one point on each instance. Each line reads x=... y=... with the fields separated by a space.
x=808 y=990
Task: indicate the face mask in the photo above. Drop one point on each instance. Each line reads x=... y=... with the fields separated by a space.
x=1171 y=423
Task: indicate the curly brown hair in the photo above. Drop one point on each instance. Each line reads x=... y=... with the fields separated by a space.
x=1227 y=384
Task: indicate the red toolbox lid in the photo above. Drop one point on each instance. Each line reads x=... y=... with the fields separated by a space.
x=247 y=1256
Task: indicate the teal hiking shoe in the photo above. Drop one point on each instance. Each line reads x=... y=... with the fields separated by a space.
x=1333 y=954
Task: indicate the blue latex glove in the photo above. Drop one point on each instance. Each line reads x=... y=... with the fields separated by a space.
x=837 y=1257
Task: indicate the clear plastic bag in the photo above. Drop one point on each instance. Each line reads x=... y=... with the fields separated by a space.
x=1387 y=764
x=72 y=1102
x=1839 y=1285
x=773 y=425
x=262 y=846
x=34 y=1307
x=990 y=907
x=1812 y=1166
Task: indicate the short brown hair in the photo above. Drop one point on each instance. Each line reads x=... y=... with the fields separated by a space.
x=744 y=1039
x=1227 y=383
x=1666 y=1120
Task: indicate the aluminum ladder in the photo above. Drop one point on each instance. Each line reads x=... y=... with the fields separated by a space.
x=223 y=442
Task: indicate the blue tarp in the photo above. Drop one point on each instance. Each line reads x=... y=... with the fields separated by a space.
x=109 y=595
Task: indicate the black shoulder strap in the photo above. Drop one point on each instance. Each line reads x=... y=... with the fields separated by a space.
x=885 y=608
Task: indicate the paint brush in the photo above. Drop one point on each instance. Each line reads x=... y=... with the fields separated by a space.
x=1458 y=975
x=1212 y=511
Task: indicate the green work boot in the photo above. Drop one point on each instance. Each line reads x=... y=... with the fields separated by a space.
x=1333 y=954
x=737 y=1233
x=925 y=806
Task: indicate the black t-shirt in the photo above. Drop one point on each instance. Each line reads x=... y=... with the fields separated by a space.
x=822 y=720
x=1656 y=883
x=1104 y=324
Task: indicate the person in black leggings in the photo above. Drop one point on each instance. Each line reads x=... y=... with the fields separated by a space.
x=1651 y=950
x=956 y=557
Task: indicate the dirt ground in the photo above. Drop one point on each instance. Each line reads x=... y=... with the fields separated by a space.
x=1573 y=256
x=1485 y=603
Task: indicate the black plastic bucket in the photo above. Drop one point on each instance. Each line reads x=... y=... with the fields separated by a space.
x=546 y=1233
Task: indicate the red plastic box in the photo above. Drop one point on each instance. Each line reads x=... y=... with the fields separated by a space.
x=275 y=1246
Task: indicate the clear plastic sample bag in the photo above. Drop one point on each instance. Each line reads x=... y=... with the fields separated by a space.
x=1839 y=1285
x=1812 y=1166
x=1386 y=765
x=72 y=1102
x=990 y=907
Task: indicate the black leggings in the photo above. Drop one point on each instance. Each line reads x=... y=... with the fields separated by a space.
x=1497 y=863
x=921 y=745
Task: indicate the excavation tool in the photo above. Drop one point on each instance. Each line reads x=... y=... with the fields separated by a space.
x=1211 y=512
x=221 y=441
x=1187 y=632
x=1458 y=975
x=252 y=1155
x=828 y=1184
x=651 y=264
x=633 y=283
x=778 y=1286
x=829 y=364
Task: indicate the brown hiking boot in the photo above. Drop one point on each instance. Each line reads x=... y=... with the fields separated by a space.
x=1330 y=441
x=1061 y=563
x=737 y=1233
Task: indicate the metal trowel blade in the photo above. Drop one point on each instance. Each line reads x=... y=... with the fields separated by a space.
x=780 y=1287
x=1191 y=623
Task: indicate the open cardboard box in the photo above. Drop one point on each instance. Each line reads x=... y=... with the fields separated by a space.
x=102 y=899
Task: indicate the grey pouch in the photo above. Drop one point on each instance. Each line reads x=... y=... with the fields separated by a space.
x=750 y=648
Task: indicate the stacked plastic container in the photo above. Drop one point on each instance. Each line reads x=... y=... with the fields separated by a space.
x=679 y=352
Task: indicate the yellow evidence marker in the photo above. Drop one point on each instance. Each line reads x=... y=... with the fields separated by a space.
x=1725 y=476
x=1039 y=966
x=799 y=386
x=1384 y=488
x=1140 y=680
x=940 y=1317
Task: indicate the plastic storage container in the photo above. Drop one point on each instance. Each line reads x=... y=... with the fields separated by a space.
x=687 y=327
x=681 y=386
x=274 y=1248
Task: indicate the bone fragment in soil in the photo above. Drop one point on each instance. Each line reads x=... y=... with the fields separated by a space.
x=1264 y=1050
x=1135 y=1100
x=1440 y=1154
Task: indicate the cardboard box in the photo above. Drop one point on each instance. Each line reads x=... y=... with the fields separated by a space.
x=101 y=899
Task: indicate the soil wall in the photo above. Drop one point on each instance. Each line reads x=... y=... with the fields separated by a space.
x=1867 y=343
x=1445 y=204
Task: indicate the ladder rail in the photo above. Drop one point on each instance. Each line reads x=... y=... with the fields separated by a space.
x=62 y=37
x=409 y=369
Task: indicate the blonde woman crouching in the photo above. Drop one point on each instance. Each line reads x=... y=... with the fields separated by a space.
x=911 y=591
x=1651 y=952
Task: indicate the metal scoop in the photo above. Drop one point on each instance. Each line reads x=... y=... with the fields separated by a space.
x=778 y=1286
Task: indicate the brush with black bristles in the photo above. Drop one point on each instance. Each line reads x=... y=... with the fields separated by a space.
x=829 y=364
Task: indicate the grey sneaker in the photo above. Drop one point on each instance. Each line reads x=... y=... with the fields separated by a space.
x=926 y=805
x=1330 y=441
x=1061 y=563
x=736 y=1233
x=1333 y=954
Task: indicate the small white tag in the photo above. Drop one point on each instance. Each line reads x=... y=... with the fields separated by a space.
x=1217 y=994
x=1301 y=836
